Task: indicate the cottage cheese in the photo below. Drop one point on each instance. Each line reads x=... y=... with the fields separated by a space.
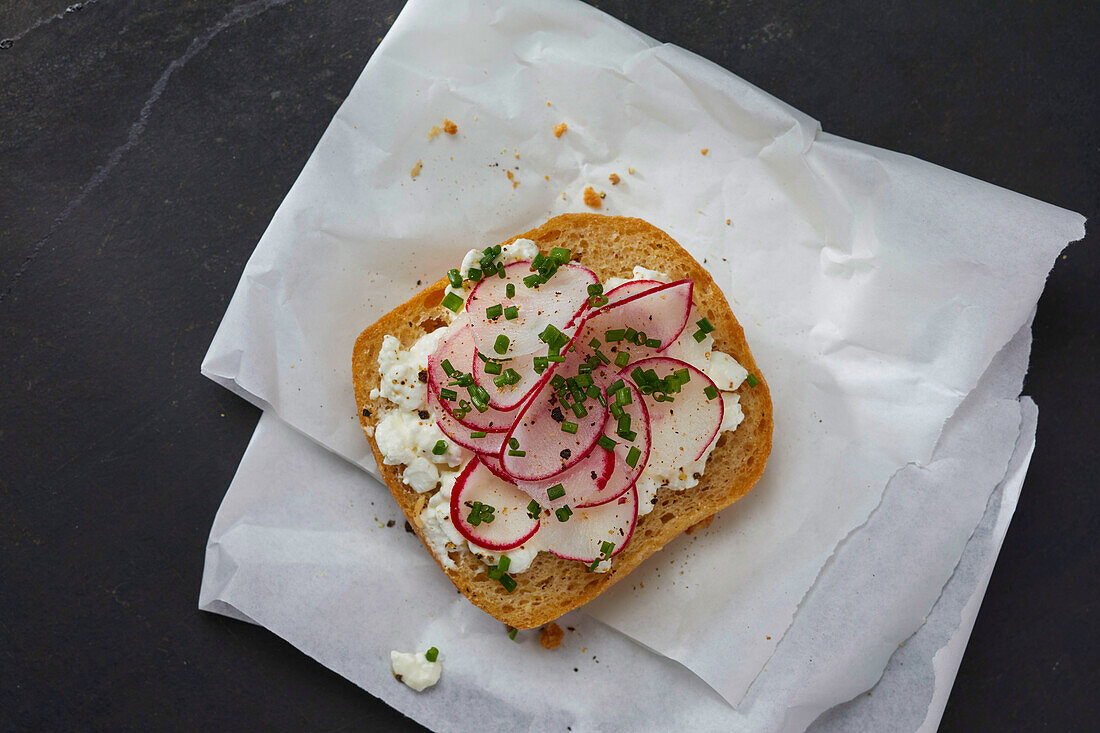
x=404 y=438
x=414 y=669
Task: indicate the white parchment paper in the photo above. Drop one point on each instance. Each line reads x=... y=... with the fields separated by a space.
x=875 y=289
x=298 y=547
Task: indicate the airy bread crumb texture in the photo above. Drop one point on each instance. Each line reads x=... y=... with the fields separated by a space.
x=611 y=247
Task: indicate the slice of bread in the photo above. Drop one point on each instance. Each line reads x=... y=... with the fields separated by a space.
x=610 y=246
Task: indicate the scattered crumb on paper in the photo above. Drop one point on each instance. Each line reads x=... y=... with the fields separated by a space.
x=416 y=169
x=560 y=128
x=591 y=198
x=614 y=178
x=550 y=636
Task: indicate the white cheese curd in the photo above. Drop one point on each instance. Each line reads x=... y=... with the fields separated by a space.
x=403 y=436
x=400 y=370
x=724 y=370
x=414 y=669
x=421 y=475
x=439 y=531
x=519 y=558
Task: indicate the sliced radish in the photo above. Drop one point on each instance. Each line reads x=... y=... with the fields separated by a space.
x=556 y=302
x=581 y=484
x=624 y=476
x=582 y=535
x=538 y=430
x=628 y=289
x=659 y=313
x=492 y=462
x=458 y=351
x=681 y=430
x=511 y=525
x=508 y=397
x=460 y=433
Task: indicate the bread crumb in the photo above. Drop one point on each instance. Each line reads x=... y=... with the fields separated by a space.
x=630 y=171
x=614 y=178
x=704 y=151
x=559 y=129
x=547 y=177
x=591 y=198
x=416 y=169
x=517 y=156
x=548 y=104
x=434 y=132
x=449 y=127
x=512 y=178
x=700 y=525
x=550 y=636
x=727 y=222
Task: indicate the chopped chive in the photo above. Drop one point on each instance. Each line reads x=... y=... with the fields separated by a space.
x=439 y=448
x=533 y=509
x=478 y=434
x=622 y=397
x=595 y=289
x=473 y=274
x=493 y=367
x=448 y=394
x=629 y=334
x=556 y=491
x=513 y=443
x=495 y=572
x=569 y=427
x=653 y=343
x=615 y=334
x=628 y=436
x=622 y=359
x=699 y=336
x=557 y=359
x=533 y=281
x=500 y=272
x=536 y=263
x=564 y=513
x=617 y=385
x=595 y=564
x=511 y=313
x=682 y=375
x=579 y=410
x=432 y=654
x=517 y=453
x=632 y=457
x=597 y=300
x=503 y=563
x=704 y=325
x=602 y=357
x=500 y=381
x=449 y=368
x=501 y=344
x=640 y=338
x=512 y=633
x=541 y=363
x=560 y=255
x=455 y=277
x=508 y=583
x=452 y=303
x=623 y=424
x=616 y=410
x=710 y=391
x=606 y=443
x=593 y=392
x=510 y=290
x=606 y=547
x=494 y=311
x=752 y=380
x=594 y=343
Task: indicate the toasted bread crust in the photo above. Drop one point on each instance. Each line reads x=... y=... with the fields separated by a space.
x=610 y=246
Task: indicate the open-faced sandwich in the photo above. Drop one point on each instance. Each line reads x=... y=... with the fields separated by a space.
x=558 y=408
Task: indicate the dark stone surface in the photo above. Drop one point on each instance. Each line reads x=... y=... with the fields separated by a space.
x=144 y=147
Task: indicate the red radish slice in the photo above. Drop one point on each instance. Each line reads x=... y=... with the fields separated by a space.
x=582 y=535
x=625 y=476
x=582 y=484
x=511 y=525
x=458 y=351
x=628 y=289
x=492 y=462
x=660 y=313
x=509 y=397
x=558 y=301
x=681 y=430
x=460 y=433
x=538 y=432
